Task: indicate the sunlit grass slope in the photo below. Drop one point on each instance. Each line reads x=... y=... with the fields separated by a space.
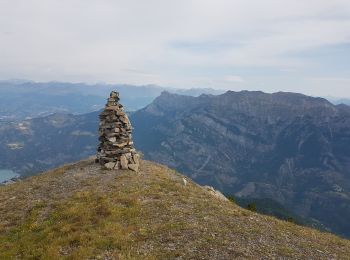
x=82 y=212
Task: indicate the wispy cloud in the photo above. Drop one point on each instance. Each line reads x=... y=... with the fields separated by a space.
x=175 y=42
x=330 y=79
x=234 y=78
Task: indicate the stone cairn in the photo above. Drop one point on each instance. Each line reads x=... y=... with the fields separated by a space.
x=116 y=150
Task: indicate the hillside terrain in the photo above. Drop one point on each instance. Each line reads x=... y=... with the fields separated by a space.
x=284 y=146
x=80 y=211
x=39 y=144
x=33 y=145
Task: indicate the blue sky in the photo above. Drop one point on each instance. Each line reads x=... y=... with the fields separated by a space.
x=270 y=45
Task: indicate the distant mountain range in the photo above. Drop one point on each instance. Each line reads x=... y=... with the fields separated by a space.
x=288 y=147
x=25 y=99
x=338 y=101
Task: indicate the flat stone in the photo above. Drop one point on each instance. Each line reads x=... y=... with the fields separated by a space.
x=110 y=165
x=114 y=95
x=120 y=145
x=136 y=158
x=117 y=166
x=123 y=162
x=128 y=156
x=120 y=113
x=112 y=139
x=134 y=167
x=124 y=119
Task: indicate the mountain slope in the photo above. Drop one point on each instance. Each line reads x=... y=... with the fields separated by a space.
x=38 y=144
x=284 y=146
x=45 y=143
x=80 y=211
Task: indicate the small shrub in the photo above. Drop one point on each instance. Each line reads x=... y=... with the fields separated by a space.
x=251 y=207
x=290 y=219
x=231 y=198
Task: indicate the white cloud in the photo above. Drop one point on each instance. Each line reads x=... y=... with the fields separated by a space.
x=170 y=42
x=234 y=78
x=330 y=79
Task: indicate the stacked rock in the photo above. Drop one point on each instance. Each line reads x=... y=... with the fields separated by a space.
x=116 y=150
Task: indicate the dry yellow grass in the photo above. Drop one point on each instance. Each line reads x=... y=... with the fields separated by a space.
x=82 y=212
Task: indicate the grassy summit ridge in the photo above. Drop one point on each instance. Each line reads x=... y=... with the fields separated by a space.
x=79 y=211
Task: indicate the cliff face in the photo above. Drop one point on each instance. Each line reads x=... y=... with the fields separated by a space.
x=80 y=211
x=284 y=146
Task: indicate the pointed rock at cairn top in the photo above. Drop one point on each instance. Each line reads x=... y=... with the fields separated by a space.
x=116 y=149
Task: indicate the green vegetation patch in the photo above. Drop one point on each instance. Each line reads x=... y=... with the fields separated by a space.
x=86 y=224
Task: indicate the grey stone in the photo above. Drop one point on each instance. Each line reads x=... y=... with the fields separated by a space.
x=136 y=158
x=117 y=166
x=123 y=162
x=112 y=139
x=215 y=193
x=110 y=165
x=134 y=167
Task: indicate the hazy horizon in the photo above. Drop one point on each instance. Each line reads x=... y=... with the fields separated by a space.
x=271 y=46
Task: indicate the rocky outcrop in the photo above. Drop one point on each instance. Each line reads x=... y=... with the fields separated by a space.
x=116 y=150
x=215 y=193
